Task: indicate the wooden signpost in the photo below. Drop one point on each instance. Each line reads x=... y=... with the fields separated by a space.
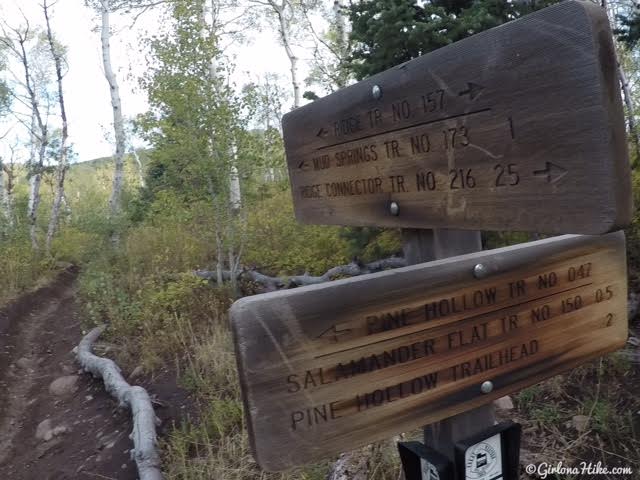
x=517 y=128
x=329 y=367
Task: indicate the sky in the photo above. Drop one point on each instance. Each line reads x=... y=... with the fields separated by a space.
x=86 y=90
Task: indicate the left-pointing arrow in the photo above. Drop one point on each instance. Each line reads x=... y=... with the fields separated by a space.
x=333 y=333
x=304 y=166
x=322 y=133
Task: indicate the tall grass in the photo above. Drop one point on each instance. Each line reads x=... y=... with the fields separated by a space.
x=20 y=268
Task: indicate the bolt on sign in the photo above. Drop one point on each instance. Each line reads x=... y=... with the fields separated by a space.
x=516 y=128
x=329 y=367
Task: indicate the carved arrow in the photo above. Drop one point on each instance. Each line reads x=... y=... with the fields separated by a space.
x=333 y=333
x=304 y=166
x=473 y=90
x=552 y=172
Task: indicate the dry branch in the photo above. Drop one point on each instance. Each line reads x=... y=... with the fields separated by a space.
x=270 y=283
x=136 y=398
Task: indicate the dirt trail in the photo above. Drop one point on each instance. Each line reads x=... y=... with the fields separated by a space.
x=87 y=435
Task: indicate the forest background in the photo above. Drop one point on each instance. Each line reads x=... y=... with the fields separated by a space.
x=199 y=182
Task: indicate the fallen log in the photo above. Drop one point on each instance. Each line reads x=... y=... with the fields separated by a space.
x=136 y=398
x=270 y=283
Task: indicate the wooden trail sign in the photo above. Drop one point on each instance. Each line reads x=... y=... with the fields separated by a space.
x=517 y=128
x=328 y=367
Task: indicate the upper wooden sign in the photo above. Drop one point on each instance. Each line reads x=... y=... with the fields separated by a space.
x=520 y=127
x=329 y=367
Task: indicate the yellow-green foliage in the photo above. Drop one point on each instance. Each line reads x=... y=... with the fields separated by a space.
x=633 y=231
x=76 y=246
x=159 y=312
x=20 y=268
x=277 y=243
x=175 y=238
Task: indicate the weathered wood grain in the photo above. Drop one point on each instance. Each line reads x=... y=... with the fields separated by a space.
x=517 y=128
x=329 y=367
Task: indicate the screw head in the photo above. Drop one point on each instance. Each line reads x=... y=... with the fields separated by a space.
x=394 y=208
x=480 y=271
x=376 y=92
x=486 y=387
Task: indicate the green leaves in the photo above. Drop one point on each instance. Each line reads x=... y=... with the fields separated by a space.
x=195 y=115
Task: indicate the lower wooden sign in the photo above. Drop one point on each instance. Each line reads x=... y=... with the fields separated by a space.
x=329 y=367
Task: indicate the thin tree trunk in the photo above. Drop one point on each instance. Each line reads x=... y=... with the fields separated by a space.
x=62 y=161
x=42 y=138
x=139 y=164
x=219 y=258
x=34 y=202
x=34 y=183
x=235 y=194
x=341 y=30
x=234 y=181
x=39 y=137
x=624 y=83
x=65 y=204
x=8 y=193
x=218 y=237
x=633 y=128
x=286 y=41
x=4 y=207
x=34 y=188
x=116 y=105
x=233 y=278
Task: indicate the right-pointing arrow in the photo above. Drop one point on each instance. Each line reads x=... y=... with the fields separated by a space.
x=473 y=90
x=552 y=172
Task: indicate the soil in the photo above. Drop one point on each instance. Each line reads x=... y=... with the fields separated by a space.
x=38 y=333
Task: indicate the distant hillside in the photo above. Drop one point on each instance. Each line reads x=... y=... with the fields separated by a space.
x=101 y=162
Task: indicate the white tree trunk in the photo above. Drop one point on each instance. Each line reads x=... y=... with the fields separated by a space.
x=341 y=29
x=135 y=398
x=61 y=171
x=32 y=207
x=35 y=165
x=116 y=105
x=9 y=169
x=235 y=195
x=6 y=198
x=233 y=279
x=140 y=168
x=285 y=36
x=612 y=14
x=4 y=202
x=633 y=128
x=66 y=205
x=38 y=128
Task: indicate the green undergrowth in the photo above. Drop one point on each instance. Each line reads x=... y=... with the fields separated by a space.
x=20 y=268
x=161 y=315
x=590 y=414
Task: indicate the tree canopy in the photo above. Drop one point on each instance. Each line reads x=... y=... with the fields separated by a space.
x=386 y=33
